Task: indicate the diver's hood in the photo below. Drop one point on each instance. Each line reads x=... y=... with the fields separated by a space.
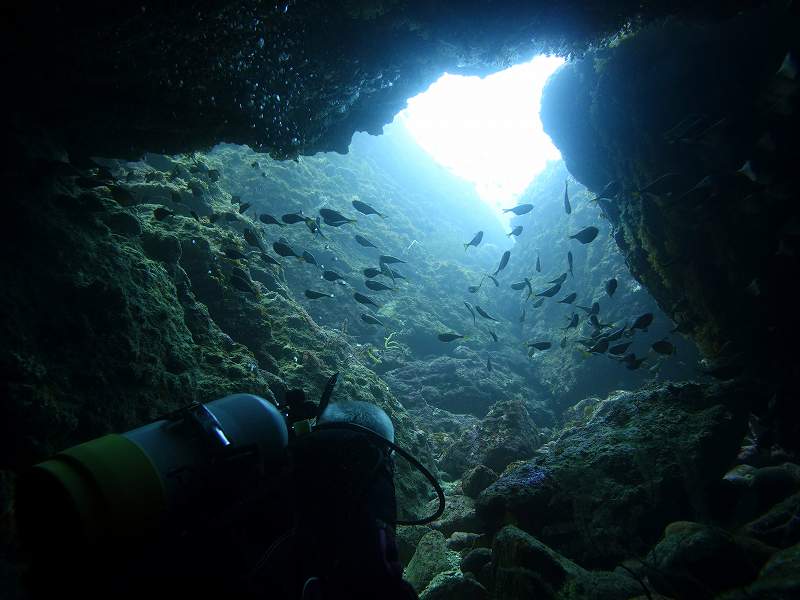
x=360 y=413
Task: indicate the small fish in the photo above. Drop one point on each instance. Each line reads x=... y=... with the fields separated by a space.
x=372 y=320
x=331 y=276
x=597 y=324
x=162 y=213
x=334 y=218
x=503 y=261
x=538 y=303
x=520 y=209
x=449 y=337
x=389 y=260
x=315 y=295
x=559 y=280
x=586 y=235
x=474 y=241
x=631 y=362
x=522 y=317
x=309 y=258
x=386 y=271
x=473 y=288
x=569 y=261
x=293 y=218
x=563 y=342
x=494 y=280
x=396 y=275
x=362 y=241
x=663 y=347
x=269 y=260
x=472 y=312
x=594 y=309
x=600 y=347
x=371 y=272
x=643 y=322
x=619 y=349
x=515 y=232
x=489 y=364
x=243 y=207
x=377 y=286
x=569 y=299
x=538 y=265
x=283 y=249
x=494 y=335
x=362 y=299
x=252 y=238
x=573 y=323
x=233 y=253
x=540 y=345
x=611 y=287
x=549 y=292
x=313 y=226
x=567 y=207
x=518 y=285
x=484 y=314
x=615 y=335
x=366 y=209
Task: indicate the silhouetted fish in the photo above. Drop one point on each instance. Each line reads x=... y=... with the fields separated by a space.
x=569 y=299
x=611 y=287
x=449 y=337
x=520 y=209
x=243 y=207
x=663 y=347
x=314 y=295
x=540 y=345
x=569 y=262
x=538 y=303
x=590 y=310
x=484 y=314
x=559 y=280
x=162 y=213
x=293 y=218
x=472 y=312
x=334 y=218
x=573 y=323
x=503 y=261
x=252 y=238
x=489 y=363
x=233 y=253
x=619 y=349
x=586 y=235
x=474 y=241
x=567 y=207
x=366 y=209
x=389 y=260
x=538 y=265
x=643 y=322
x=600 y=347
x=309 y=258
x=362 y=299
x=331 y=276
x=372 y=320
x=610 y=191
x=493 y=334
x=493 y=279
x=362 y=241
x=283 y=249
x=371 y=272
x=550 y=292
x=269 y=260
x=377 y=286
x=515 y=232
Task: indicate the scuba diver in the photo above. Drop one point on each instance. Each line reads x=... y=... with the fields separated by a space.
x=237 y=498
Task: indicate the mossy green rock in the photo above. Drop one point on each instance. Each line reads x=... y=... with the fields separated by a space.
x=454 y=586
x=431 y=558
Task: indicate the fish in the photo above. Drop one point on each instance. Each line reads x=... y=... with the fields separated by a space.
x=489 y=364
x=615 y=335
x=573 y=322
x=389 y=260
x=313 y=226
x=252 y=238
x=611 y=287
x=334 y=218
x=518 y=285
x=270 y=220
x=663 y=347
x=521 y=209
x=569 y=262
x=449 y=337
x=540 y=345
x=293 y=218
x=494 y=280
x=538 y=303
x=473 y=288
x=619 y=349
x=631 y=362
x=362 y=299
x=372 y=320
x=515 y=232
x=643 y=322
x=600 y=347
x=493 y=334
x=567 y=207
x=362 y=241
x=559 y=280
x=538 y=265
x=569 y=299
x=315 y=295
x=564 y=342
x=586 y=235
x=243 y=207
x=472 y=312
x=283 y=249
x=309 y=258
x=233 y=253
x=386 y=271
x=549 y=292
x=476 y=239
x=366 y=209
x=396 y=275
x=162 y=213
x=377 y=286
x=503 y=261
x=484 y=314
x=371 y=272
x=331 y=276
x=522 y=317
x=269 y=260
x=610 y=191
x=594 y=309
x=597 y=324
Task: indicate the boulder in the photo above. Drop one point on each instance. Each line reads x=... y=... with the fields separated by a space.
x=454 y=586
x=474 y=561
x=459 y=515
x=779 y=526
x=477 y=479
x=431 y=558
x=407 y=538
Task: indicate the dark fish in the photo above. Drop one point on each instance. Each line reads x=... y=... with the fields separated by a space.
x=600 y=347
x=564 y=342
x=619 y=349
x=269 y=260
x=386 y=271
x=586 y=235
x=484 y=314
x=611 y=287
x=283 y=249
x=567 y=207
x=473 y=288
x=362 y=241
x=538 y=303
x=293 y=218
x=597 y=324
x=331 y=276
x=663 y=347
x=449 y=337
x=520 y=209
x=162 y=213
x=594 y=309
x=233 y=253
x=270 y=220
x=518 y=285
x=309 y=258
x=252 y=239
x=243 y=285
x=377 y=286
x=569 y=262
x=368 y=318
x=396 y=275
x=474 y=241
x=472 y=312
x=334 y=218
x=494 y=281
x=569 y=299
x=538 y=265
x=366 y=209
x=489 y=364
x=493 y=334
x=243 y=207
x=643 y=322
x=362 y=299
x=631 y=362
x=503 y=261
x=522 y=317
x=371 y=272
x=315 y=295
x=550 y=292
x=615 y=335
x=559 y=280
x=314 y=226
x=573 y=323
x=389 y=260
x=540 y=345
x=610 y=191
x=515 y=232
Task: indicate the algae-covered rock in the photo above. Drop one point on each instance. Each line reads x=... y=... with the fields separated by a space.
x=454 y=586
x=431 y=558
x=604 y=490
x=477 y=479
x=408 y=537
x=474 y=561
x=779 y=526
x=459 y=515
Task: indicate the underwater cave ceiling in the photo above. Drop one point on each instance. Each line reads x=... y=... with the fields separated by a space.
x=288 y=78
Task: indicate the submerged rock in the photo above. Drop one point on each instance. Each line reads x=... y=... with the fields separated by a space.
x=459 y=515
x=431 y=558
x=454 y=586
x=477 y=479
